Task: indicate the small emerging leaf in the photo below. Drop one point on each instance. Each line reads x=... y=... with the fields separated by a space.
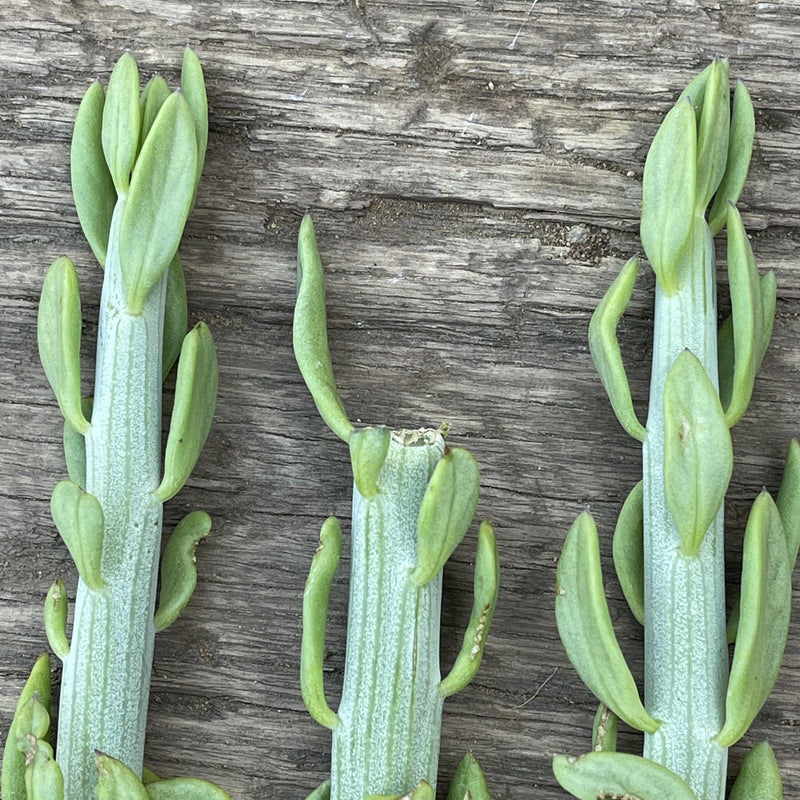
x=447 y=509
x=368 y=449
x=322 y=792
x=763 y=622
x=788 y=501
x=59 y=334
x=423 y=791
x=619 y=775
x=469 y=781
x=55 y=619
x=585 y=626
x=78 y=516
x=629 y=551
x=193 y=410
x=153 y=97
x=176 y=316
x=178 y=568
x=32 y=719
x=12 y=781
x=115 y=781
x=746 y=317
x=43 y=778
x=486 y=584
x=148 y=776
x=310 y=334
x=668 y=193
x=159 y=201
x=759 y=777
x=185 y=789
x=315 y=619
x=698 y=456
x=605 y=351
x=75 y=446
x=604 y=730
x=122 y=121
x=740 y=148
x=92 y=187
x=713 y=133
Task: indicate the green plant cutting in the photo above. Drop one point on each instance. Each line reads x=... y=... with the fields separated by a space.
x=136 y=160
x=668 y=544
x=413 y=501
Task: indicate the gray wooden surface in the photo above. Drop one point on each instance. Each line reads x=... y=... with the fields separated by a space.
x=474 y=170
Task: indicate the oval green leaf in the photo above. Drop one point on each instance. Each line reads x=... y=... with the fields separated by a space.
x=486 y=585
x=765 y=606
x=310 y=334
x=75 y=446
x=604 y=730
x=12 y=777
x=698 y=456
x=585 y=626
x=668 y=193
x=740 y=148
x=176 y=316
x=193 y=88
x=115 y=781
x=195 y=401
x=368 y=448
x=55 y=619
x=92 y=187
x=153 y=97
x=619 y=775
x=446 y=512
x=788 y=501
x=629 y=551
x=59 y=334
x=185 y=789
x=759 y=777
x=315 y=619
x=469 y=781
x=746 y=317
x=159 y=201
x=178 y=568
x=768 y=293
x=78 y=516
x=121 y=122
x=605 y=351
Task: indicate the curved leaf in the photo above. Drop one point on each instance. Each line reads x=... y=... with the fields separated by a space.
x=310 y=334
x=446 y=512
x=713 y=133
x=740 y=148
x=59 y=335
x=759 y=777
x=159 y=201
x=486 y=584
x=153 y=97
x=193 y=88
x=55 y=619
x=368 y=449
x=585 y=626
x=768 y=300
x=763 y=622
x=92 y=187
x=668 y=193
x=78 y=516
x=788 y=501
x=176 y=316
x=193 y=410
x=75 y=446
x=178 y=568
x=629 y=551
x=122 y=121
x=605 y=351
x=599 y=775
x=698 y=456
x=315 y=619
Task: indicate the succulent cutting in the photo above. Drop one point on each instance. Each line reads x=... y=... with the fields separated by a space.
x=413 y=501
x=136 y=160
x=668 y=544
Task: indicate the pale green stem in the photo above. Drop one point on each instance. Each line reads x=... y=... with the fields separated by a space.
x=105 y=686
x=686 y=655
x=387 y=739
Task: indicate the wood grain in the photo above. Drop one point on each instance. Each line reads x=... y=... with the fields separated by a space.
x=472 y=201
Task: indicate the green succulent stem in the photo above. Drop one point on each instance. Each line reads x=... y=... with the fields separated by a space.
x=387 y=738
x=107 y=672
x=686 y=655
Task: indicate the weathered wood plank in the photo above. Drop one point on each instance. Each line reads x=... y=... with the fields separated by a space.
x=472 y=202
